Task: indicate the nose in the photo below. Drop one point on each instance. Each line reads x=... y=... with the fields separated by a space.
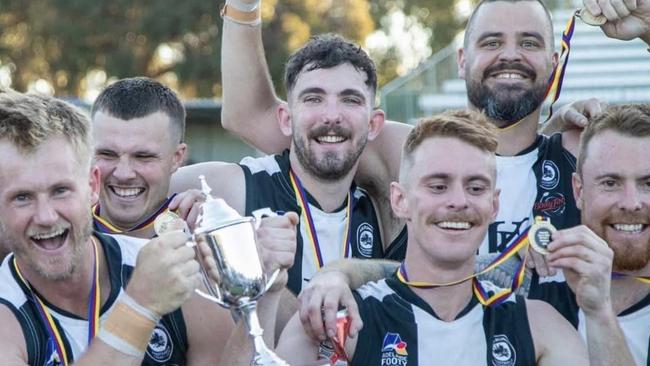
x=510 y=52
x=457 y=197
x=332 y=113
x=630 y=199
x=46 y=214
x=123 y=169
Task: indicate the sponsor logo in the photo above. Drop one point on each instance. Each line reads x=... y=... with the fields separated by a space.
x=503 y=353
x=365 y=239
x=393 y=350
x=160 y=346
x=551 y=203
x=550 y=175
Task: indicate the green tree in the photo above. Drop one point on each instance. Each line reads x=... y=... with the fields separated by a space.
x=64 y=41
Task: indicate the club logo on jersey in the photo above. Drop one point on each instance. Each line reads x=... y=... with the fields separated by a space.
x=365 y=239
x=550 y=175
x=503 y=353
x=393 y=350
x=160 y=345
x=551 y=204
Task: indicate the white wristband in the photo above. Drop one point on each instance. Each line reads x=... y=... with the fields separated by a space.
x=119 y=344
x=242 y=6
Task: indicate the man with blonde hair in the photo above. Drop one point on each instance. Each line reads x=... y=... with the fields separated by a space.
x=427 y=310
x=71 y=295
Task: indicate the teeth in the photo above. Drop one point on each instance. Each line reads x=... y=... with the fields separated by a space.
x=454 y=225
x=127 y=192
x=630 y=228
x=330 y=139
x=509 y=75
x=43 y=236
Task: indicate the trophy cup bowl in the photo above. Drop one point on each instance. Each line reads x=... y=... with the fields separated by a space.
x=241 y=277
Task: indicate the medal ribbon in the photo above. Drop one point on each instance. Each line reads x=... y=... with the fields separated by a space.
x=642 y=279
x=557 y=76
x=481 y=294
x=93 y=308
x=103 y=226
x=303 y=203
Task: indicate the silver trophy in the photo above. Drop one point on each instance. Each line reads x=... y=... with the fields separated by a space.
x=241 y=279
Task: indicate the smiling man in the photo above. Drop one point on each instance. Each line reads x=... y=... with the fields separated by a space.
x=138 y=128
x=428 y=311
x=329 y=117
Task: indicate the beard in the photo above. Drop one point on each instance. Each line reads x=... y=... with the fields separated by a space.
x=629 y=255
x=332 y=166
x=507 y=104
x=78 y=236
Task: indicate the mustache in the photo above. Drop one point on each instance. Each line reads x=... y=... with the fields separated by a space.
x=641 y=217
x=323 y=130
x=502 y=66
x=453 y=216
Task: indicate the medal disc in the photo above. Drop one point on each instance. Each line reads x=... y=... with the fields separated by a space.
x=162 y=222
x=540 y=235
x=591 y=19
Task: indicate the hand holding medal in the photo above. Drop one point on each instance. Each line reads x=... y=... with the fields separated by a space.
x=540 y=234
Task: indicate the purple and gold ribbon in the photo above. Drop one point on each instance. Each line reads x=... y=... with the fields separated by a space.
x=94 y=304
x=303 y=203
x=481 y=294
x=556 y=79
x=104 y=226
x=642 y=279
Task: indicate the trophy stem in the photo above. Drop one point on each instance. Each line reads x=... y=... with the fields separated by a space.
x=262 y=356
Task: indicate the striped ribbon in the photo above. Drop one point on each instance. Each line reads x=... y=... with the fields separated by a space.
x=479 y=291
x=643 y=279
x=303 y=203
x=102 y=225
x=94 y=303
x=557 y=76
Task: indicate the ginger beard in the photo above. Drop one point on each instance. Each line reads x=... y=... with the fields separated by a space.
x=629 y=254
x=67 y=265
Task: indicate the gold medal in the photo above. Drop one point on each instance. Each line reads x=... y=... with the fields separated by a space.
x=589 y=18
x=540 y=233
x=163 y=222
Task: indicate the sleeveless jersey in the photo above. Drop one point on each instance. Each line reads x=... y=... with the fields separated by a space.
x=400 y=328
x=634 y=321
x=536 y=182
x=168 y=344
x=268 y=185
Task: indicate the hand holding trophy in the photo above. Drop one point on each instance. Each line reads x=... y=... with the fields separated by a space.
x=232 y=268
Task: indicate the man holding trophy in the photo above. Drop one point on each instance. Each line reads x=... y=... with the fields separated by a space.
x=69 y=295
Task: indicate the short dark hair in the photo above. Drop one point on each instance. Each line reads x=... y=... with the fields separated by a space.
x=631 y=120
x=470 y=21
x=325 y=51
x=138 y=97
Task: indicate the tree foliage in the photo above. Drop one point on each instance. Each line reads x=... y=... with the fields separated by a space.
x=61 y=41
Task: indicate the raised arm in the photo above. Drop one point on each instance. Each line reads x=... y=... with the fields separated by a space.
x=625 y=19
x=249 y=100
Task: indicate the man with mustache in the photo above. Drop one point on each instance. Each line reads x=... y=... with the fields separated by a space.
x=506 y=66
x=410 y=321
x=606 y=260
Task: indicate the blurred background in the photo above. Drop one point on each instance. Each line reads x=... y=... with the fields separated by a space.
x=74 y=48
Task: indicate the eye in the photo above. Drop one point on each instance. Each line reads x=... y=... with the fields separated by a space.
x=142 y=156
x=476 y=189
x=491 y=44
x=437 y=188
x=530 y=44
x=609 y=184
x=58 y=191
x=352 y=100
x=21 y=198
x=105 y=154
x=312 y=99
